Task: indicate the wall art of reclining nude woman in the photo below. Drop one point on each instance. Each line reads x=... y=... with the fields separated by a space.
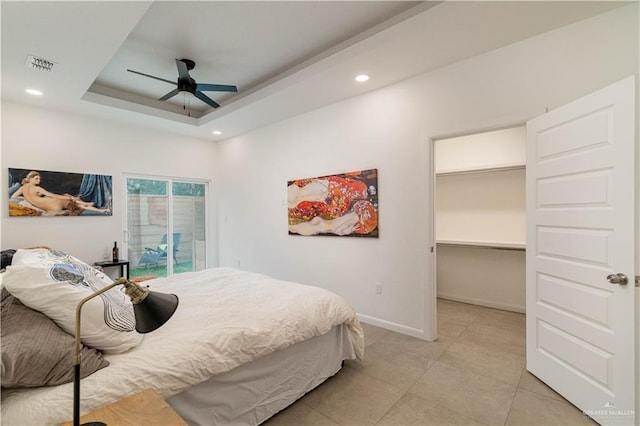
x=67 y=194
x=344 y=205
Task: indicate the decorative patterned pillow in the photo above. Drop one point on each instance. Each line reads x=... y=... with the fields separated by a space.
x=4 y=293
x=54 y=283
x=7 y=255
x=36 y=352
x=40 y=255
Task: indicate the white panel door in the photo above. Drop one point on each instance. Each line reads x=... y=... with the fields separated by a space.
x=580 y=229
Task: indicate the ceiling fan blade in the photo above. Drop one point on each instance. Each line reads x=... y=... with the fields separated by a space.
x=151 y=76
x=169 y=95
x=183 y=71
x=204 y=98
x=216 y=88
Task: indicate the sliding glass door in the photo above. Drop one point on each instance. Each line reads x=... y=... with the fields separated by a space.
x=166 y=225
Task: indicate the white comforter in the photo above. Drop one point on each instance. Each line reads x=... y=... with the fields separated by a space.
x=225 y=318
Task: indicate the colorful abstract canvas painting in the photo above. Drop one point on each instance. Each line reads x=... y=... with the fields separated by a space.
x=344 y=204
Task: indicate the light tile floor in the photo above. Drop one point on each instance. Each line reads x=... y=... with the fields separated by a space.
x=474 y=374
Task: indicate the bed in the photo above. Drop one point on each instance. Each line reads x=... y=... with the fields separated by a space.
x=240 y=347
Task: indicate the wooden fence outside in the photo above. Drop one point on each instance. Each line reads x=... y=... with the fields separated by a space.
x=147 y=224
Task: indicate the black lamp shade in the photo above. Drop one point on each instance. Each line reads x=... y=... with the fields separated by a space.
x=154 y=310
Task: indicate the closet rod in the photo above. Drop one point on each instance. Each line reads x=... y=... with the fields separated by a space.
x=489 y=170
x=484 y=246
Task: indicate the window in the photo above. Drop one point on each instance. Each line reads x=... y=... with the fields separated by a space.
x=162 y=207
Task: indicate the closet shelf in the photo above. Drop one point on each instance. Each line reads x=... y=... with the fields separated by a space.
x=496 y=245
x=504 y=168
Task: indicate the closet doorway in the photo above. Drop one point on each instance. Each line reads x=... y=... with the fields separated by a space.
x=480 y=218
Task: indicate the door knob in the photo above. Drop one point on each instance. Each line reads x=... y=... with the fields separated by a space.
x=618 y=278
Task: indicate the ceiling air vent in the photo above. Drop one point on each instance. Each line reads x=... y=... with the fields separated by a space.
x=39 y=64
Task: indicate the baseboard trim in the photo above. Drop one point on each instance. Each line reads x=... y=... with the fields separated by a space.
x=481 y=302
x=388 y=325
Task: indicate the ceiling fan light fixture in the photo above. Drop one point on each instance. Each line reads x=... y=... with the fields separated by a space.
x=186 y=83
x=361 y=78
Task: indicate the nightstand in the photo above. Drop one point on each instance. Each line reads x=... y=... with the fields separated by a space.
x=121 y=263
x=144 y=408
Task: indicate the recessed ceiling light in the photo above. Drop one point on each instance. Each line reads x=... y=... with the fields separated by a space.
x=34 y=92
x=217 y=132
x=362 y=78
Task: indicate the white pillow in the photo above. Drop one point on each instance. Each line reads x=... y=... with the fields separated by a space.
x=42 y=256
x=54 y=283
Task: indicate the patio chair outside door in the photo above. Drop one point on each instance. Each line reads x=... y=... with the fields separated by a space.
x=152 y=256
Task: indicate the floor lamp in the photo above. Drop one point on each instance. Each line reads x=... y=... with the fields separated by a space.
x=151 y=310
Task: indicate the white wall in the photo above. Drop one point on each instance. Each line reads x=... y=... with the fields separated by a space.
x=40 y=139
x=481 y=276
x=390 y=129
x=481 y=151
x=486 y=207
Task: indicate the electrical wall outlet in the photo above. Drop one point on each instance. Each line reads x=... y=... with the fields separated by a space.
x=378 y=288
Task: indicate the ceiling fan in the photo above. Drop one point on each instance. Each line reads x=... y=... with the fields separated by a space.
x=187 y=84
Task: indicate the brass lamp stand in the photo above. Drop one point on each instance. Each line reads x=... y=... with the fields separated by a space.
x=151 y=310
